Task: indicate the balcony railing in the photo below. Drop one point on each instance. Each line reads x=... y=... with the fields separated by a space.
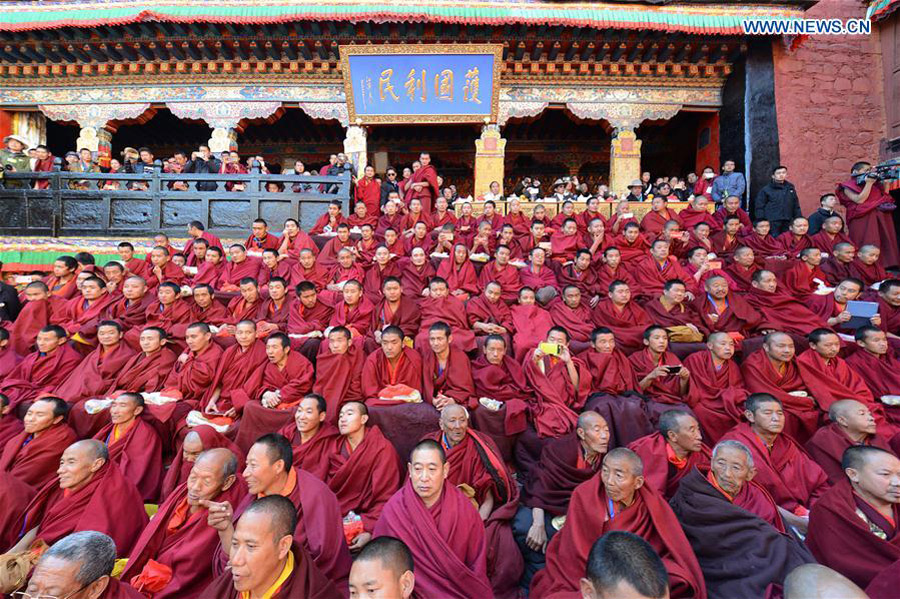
x=85 y=204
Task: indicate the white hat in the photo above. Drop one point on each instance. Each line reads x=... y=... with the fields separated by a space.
x=19 y=139
x=636 y=183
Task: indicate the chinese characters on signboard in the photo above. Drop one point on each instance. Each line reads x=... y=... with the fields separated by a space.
x=416 y=84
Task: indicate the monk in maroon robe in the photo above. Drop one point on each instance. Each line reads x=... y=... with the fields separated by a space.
x=832 y=233
x=530 y=322
x=210 y=269
x=652 y=272
x=62 y=280
x=459 y=273
x=199 y=439
x=538 y=275
x=308 y=320
x=837 y=266
x=629 y=505
x=81 y=314
x=261 y=239
x=294 y=241
x=423 y=185
x=275 y=311
x=167 y=313
x=878 y=367
x=853 y=527
x=385 y=266
x=805 y=276
x=33 y=455
x=44 y=370
x=446 y=371
x=307 y=269
x=130 y=310
x=670 y=310
x=396 y=309
x=499 y=378
x=867 y=267
x=787 y=472
x=720 y=309
x=328 y=256
x=162 y=269
x=329 y=221
x=239 y=373
x=353 y=311
x=196 y=367
x=390 y=375
x=488 y=314
x=572 y=312
x=440 y=306
x=672 y=452
x=502 y=272
x=91 y=494
x=15 y=498
x=780 y=310
x=339 y=367
x=311 y=436
x=743 y=268
x=239 y=267
x=10 y=425
x=622 y=316
x=869 y=213
x=9 y=359
x=716 y=390
x=98 y=370
x=661 y=375
x=653 y=222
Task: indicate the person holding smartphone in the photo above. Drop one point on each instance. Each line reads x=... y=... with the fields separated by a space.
x=661 y=375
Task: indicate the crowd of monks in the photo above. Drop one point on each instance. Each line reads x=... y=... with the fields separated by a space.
x=473 y=401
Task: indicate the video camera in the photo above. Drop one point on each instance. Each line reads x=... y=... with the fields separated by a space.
x=886 y=171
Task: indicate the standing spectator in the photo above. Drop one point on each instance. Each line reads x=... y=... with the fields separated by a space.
x=635 y=192
x=202 y=162
x=777 y=202
x=368 y=191
x=84 y=164
x=43 y=164
x=389 y=184
x=729 y=183
x=300 y=169
x=827 y=204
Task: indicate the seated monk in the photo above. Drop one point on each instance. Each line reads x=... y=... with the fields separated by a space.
x=622 y=316
x=238 y=376
x=651 y=273
x=504 y=273
x=294 y=240
x=565 y=463
x=581 y=273
x=530 y=322
x=196 y=441
x=888 y=309
x=10 y=425
x=167 y=313
x=734 y=527
x=339 y=368
x=353 y=311
x=625 y=503
x=81 y=314
x=311 y=436
x=81 y=562
x=832 y=308
x=134 y=445
x=866 y=267
x=91 y=494
x=837 y=266
x=62 y=280
x=573 y=315
x=670 y=310
x=196 y=367
x=851 y=424
x=363 y=470
x=275 y=311
x=722 y=310
x=417 y=270
x=459 y=273
x=780 y=311
x=672 y=452
x=661 y=375
x=396 y=310
x=716 y=391
x=271 y=470
x=384 y=566
x=853 y=527
x=622 y=564
x=878 y=367
x=243 y=307
x=328 y=256
x=441 y=527
x=446 y=371
x=209 y=268
x=611 y=269
x=384 y=266
x=270 y=267
x=206 y=308
x=241 y=266
x=390 y=370
x=266 y=560
x=790 y=476
x=537 y=275
x=488 y=314
x=44 y=370
x=742 y=269
x=308 y=320
x=565 y=241
x=163 y=269
x=439 y=305
x=9 y=359
x=179 y=537
x=476 y=468
x=100 y=367
x=260 y=239
x=34 y=315
x=805 y=277
x=831 y=234
x=285 y=377
x=32 y=456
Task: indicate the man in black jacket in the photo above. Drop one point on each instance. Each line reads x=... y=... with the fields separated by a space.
x=389 y=184
x=777 y=202
x=9 y=301
x=204 y=163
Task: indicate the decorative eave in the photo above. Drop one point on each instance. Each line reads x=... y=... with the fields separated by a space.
x=686 y=17
x=882 y=9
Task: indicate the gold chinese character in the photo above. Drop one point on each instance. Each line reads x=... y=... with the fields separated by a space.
x=384 y=85
x=413 y=83
x=443 y=85
x=470 y=90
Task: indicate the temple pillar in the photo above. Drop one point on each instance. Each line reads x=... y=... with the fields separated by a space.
x=355 y=149
x=104 y=146
x=490 y=150
x=224 y=139
x=624 y=161
x=30 y=125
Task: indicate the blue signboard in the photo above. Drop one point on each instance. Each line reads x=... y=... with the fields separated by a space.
x=421 y=84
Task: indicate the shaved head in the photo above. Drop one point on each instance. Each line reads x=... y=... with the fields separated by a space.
x=814 y=581
x=588 y=419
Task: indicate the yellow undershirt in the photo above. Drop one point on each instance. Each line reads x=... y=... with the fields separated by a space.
x=285 y=574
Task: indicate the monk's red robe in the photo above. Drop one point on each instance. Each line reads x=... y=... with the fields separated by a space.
x=827 y=447
x=610 y=373
x=679 y=315
x=459 y=277
x=690 y=218
x=495 y=219
x=95 y=374
x=273 y=314
x=14 y=499
x=34 y=460
x=446 y=540
x=358 y=318
x=737 y=317
x=556 y=400
x=716 y=395
x=338 y=378
x=386 y=222
x=835 y=270
x=39 y=374
x=284 y=269
x=239 y=375
x=531 y=325
x=505 y=383
x=306 y=581
x=723 y=246
x=365 y=478
x=119 y=590
x=633 y=251
x=9 y=359
x=538 y=280
x=786 y=471
x=869 y=274
x=651 y=278
x=791 y=245
x=317 y=275
x=454 y=380
x=208 y=273
x=107 y=503
x=826 y=242
x=627 y=323
x=760 y=376
x=563 y=247
x=800 y=280
x=138 y=267
x=233 y=272
x=378 y=373
x=783 y=312
x=507 y=277
x=165 y=317
x=763 y=247
x=405 y=315
x=843 y=540
x=180 y=468
x=881 y=375
x=411 y=243
x=721 y=214
x=269 y=242
x=143 y=373
x=375 y=277
x=303 y=320
x=480 y=309
x=58 y=288
x=10 y=426
x=742 y=276
x=170 y=273
x=450 y=310
x=587 y=281
x=194 y=376
x=577 y=322
x=300 y=241
x=312 y=456
x=662 y=468
x=240 y=309
x=80 y=318
x=327 y=258
x=188 y=250
x=649 y=516
x=138 y=454
x=665 y=389
x=890 y=318
x=654 y=222
x=868 y=224
x=560 y=470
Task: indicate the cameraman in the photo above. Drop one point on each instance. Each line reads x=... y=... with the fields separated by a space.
x=869 y=210
x=203 y=162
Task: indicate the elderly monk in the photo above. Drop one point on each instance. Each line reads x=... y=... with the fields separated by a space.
x=734 y=528
x=339 y=368
x=722 y=310
x=44 y=370
x=441 y=527
x=169 y=312
x=392 y=371
x=877 y=365
x=270 y=471
x=672 y=452
x=622 y=316
x=572 y=313
x=383 y=570
x=178 y=535
x=34 y=315
x=780 y=310
x=565 y=463
x=81 y=314
x=622 y=564
x=285 y=377
x=134 y=445
x=446 y=371
x=100 y=368
x=439 y=305
x=308 y=320
x=311 y=436
x=196 y=367
x=363 y=470
x=787 y=472
x=32 y=456
x=79 y=565
x=716 y=390
x=652 y=272
x=504 y=273
x=774 y=370
x=814 y=581
x=239 y=373
x=266 y=560
x=91 y=494
x=853 y=527
x=396 y=310
x=488 y=314
x=477 y=469
x=196 y=441
x=625 y=503
x=852 y=423
x=661 y=375
x=742 y=269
